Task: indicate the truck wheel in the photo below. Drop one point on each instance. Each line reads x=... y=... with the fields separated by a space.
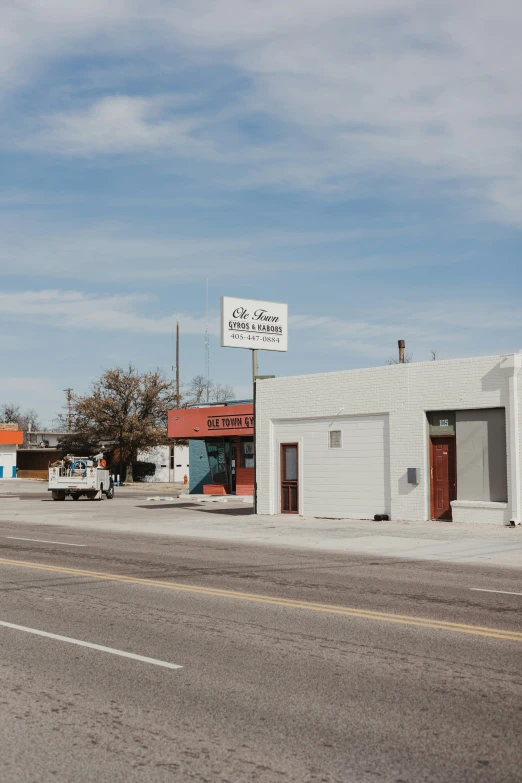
x=58 y=494
x=75 y=495
x=110 y=493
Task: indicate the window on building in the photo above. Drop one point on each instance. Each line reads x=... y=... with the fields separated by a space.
x=247 y=453
x=334 y=439
x=217 y=460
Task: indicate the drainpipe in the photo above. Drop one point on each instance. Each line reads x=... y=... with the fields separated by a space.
x=514 y=363
x=402 y=346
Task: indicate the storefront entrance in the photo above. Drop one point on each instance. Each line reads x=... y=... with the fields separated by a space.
x=231 y=463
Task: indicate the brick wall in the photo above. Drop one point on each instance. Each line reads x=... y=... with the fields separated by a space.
x=405 y=393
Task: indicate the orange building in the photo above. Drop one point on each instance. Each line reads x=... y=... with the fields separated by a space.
x=221 y=442
x=10 y=438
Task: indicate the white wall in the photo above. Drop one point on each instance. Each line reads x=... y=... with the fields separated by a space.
x=180 y=464
x=7 y=460
x=352 y=481
x=404 y=393
x=161 y=458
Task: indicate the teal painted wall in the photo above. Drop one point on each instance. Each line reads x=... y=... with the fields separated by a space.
x=199 y=472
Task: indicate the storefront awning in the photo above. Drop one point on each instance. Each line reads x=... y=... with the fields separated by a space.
x=215 y=421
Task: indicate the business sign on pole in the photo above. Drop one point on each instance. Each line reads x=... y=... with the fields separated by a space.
x=247 y=323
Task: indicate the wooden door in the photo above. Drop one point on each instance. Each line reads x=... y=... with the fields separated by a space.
x=443 y=477
x=289 y=479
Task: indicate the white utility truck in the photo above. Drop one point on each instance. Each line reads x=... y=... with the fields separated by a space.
x=76 y=476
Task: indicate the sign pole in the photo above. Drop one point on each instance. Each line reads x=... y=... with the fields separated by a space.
x=254 y=376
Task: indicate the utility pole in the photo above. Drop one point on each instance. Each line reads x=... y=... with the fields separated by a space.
x=68 y=393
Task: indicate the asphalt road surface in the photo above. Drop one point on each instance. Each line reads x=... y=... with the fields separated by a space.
x=294 y=666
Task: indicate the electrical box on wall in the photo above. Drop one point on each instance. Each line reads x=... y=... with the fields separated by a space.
x=412 y=476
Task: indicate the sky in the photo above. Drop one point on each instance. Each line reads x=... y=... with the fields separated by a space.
x=358 y=159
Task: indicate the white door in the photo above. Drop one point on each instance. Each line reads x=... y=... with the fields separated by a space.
x=344 y=465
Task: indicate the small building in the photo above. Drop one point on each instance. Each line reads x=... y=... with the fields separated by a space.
x=10 y=438
x=172 y=463
x=221 y=446
x=434 y=440
x=39 y=450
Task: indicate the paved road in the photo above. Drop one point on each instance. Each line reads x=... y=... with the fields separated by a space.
x=335 y=668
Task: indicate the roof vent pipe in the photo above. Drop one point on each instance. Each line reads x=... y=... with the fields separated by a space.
x=402 y=346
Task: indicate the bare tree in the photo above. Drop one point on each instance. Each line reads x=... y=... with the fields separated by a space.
x=126 y=410
x=202 y=390
x=223 y=393
x=26 y=420
x=10 y=413
x=408 y=358
x=199 y=390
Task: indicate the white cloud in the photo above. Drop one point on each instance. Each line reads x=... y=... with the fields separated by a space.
x=26 y=384
x=120 y=124
x=107 y=251
x=360 y=91
x=369 y=333
x=472 y=326
x=78 y=310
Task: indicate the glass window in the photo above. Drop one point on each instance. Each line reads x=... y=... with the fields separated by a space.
x=247 y=453
x=334 y=439
x=217 y=460
x=289 y=463
x=442 y=422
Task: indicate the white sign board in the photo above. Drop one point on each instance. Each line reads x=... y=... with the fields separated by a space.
x=246 y=323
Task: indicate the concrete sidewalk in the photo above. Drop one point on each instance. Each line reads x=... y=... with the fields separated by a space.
x=235 y=522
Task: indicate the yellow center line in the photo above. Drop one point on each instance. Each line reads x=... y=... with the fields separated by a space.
x=345 y=611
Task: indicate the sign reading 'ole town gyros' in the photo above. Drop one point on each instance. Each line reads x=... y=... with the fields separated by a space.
x=247 y=323
x=212 y=421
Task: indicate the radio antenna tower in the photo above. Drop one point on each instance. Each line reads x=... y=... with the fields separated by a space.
x=68 y=393
x=207 y=350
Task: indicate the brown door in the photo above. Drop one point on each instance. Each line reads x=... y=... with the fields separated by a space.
x=443 y=477
x=289 y=480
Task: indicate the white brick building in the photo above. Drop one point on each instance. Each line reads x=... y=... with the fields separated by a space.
x=340 y=444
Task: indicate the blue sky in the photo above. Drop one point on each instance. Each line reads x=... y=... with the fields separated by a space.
x=360 y=160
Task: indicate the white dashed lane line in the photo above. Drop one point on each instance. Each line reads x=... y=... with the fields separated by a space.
x=98 y=647
x=43 y=541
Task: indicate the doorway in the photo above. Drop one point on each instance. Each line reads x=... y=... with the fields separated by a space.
x=443 y=476
x=289 y=479
x=233 y=464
